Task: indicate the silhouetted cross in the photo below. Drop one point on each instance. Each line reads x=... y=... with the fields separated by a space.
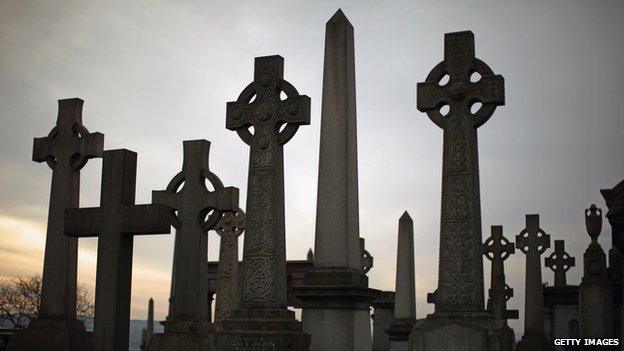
x=560 y=262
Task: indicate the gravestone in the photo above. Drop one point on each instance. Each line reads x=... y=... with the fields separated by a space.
x=614 y=199
x=560 y=262
x=115 y=223
x=595 y=295
x=460 y=318
x=383 y=307
x=336 y=298
x=533 y=242
x=229 y=228
x=405 y=285
x=148 y=331
x=263 y=321
x=66 y=149
x=497 y=249
x=197 y=210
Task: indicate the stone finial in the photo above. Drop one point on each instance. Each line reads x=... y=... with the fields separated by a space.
x=310 y=256
x=593 y=222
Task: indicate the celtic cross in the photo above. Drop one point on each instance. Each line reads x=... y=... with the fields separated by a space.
x=497 y=249
x=229 y=228
x=275 y=122
x=196 y=210
x=452 y=84
x=66 y=149
x=560 y=262
x=533 y=241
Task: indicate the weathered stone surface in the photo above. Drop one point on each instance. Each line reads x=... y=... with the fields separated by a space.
x=264 y=287
x=460 y=321
x=560 y=307
x=382 y=318
x=497 y=249
x=115 y=222
x=229 y=228
x=533 y=242
x=560 y=262
x=336 y=299
x=196 y=210
x=595 y=291
x=66 y=149
x=405 y=285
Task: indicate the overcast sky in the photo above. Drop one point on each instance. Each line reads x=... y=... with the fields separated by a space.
x=155 y=73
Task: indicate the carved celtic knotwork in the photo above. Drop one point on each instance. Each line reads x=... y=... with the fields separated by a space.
x=259 y=282
x=229 y=228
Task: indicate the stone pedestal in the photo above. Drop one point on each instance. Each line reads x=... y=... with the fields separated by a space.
x=260 y=330
x=382 y=318
x=52 y=335
x=336 y=305
x=187 y=336
x=460 y=332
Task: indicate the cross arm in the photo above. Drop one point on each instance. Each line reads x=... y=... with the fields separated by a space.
x=165 y=197
x=41 y=149
x=224 y=199
x=490 y=90
x=296 y=110
x=83 y=222
x=146 y=219
x=92 y=145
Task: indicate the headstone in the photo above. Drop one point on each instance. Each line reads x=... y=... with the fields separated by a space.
x=66 y=149
x=197 y=210
x=405 y=285
x=115 y=223
x=560 y=262
x=336 y=298
x=595 y=295
x=383 y=307
x=614 y=199
x=148 y=331
x=460 y=318
x=497 y=249
x=263 y=322
x=230 y=227
x=533 y=242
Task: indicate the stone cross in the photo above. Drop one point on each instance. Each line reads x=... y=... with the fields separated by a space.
x=115 y=223
x=533 y=241
x=405 y=292
x=497 y=249
x=229 y=228
x=560 y=262
x=368 y=261
x=260 y=106
x=460 y=275
x=595 y=290
x=66 y=149
x=197 y=210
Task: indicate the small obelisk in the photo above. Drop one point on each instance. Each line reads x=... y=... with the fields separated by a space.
x=595 y=291
x=336 y=298
x=148 y=331
x=405 y=295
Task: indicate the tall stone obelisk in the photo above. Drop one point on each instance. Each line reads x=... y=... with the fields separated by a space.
x=405 y=295
x=336 y=298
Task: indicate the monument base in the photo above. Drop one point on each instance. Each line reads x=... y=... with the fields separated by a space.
x=336 y=303
x=184 y=335
x=399 y=333
x=467 y=331
x=262 y=330
x=52 y=335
